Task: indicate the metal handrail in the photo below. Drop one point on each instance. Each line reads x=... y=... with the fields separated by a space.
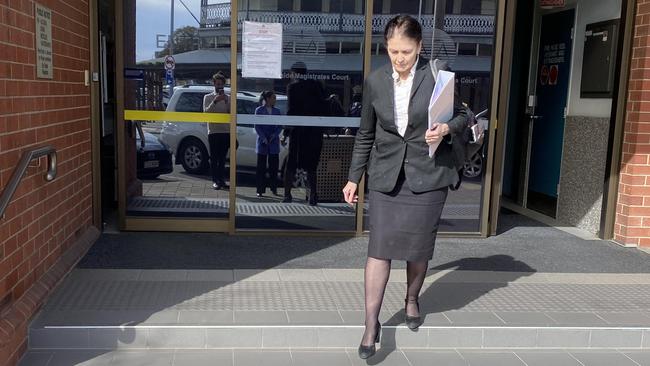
x=21 y=168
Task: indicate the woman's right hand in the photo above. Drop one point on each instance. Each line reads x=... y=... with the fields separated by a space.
x=349 y=193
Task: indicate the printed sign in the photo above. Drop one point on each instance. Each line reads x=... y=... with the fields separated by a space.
x=169 y=77
x=543 y=75
x=262 y=50
x=43 y=34
x=552 y=77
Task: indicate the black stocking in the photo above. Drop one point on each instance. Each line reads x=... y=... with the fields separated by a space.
x=376 y=277
x=415 y=274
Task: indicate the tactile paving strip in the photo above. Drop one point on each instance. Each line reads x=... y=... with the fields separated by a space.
x=79 y=294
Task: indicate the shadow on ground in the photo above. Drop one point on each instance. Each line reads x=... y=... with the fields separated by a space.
x=441 y=296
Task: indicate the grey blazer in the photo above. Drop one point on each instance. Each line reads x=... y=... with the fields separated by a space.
x=382 y=151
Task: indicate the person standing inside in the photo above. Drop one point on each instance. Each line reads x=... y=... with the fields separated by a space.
x=268 y=145
x=306 y=97
x=407 y=188
x=218 y=133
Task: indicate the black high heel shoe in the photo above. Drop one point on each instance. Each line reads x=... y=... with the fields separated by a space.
x=369 y=351
x=412 y=322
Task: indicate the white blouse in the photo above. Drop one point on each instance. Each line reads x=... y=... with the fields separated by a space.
x=402 y=90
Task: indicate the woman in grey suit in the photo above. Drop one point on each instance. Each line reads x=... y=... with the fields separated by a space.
x=407 y=188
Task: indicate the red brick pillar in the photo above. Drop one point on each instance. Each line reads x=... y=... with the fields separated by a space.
x=633 y=208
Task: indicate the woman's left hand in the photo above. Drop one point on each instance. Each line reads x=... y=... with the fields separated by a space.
x=436 y=133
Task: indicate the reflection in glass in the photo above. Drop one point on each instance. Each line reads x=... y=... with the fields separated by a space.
x=169 y=158
x=319 y=99
x=267 y=146
x=463 y=37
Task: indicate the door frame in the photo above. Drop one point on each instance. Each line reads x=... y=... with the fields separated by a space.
x=491 y=183
x=137 y=223
x=533 y=75
x=614 y=156
x=498 y=135
x=95 y=118
x=616 y=130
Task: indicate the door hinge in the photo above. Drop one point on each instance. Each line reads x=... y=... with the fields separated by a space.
x=496 y=123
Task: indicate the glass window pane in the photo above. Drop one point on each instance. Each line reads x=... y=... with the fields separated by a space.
x=285 y=5
x=190 y=102
x=470 y=25
x=169 y=158
x=471 y=6
x=467 y=49
x=311 y=6
x=294 y=152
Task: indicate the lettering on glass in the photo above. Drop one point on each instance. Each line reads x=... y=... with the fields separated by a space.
x=43 y=42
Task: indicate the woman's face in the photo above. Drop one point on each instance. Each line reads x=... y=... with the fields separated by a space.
x=270 y=101
x=403 y=52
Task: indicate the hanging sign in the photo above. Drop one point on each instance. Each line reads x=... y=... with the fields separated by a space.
x=43 y=34
x=550 y=4
x=262 y=50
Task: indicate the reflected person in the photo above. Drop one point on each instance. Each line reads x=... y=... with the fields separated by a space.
x=305 y=98
x=407 y=188
x=268 y=145
x=218 y=133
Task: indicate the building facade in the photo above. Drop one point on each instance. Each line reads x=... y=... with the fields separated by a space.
x=74 y=76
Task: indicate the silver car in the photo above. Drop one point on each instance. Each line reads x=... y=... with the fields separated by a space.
x=189 y=141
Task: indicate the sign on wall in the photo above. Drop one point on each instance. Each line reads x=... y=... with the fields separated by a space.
x=262 y=50
x=43 y=33
x=549 y=4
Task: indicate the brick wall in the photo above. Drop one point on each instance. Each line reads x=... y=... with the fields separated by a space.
x=633 y=209
x=44 y=219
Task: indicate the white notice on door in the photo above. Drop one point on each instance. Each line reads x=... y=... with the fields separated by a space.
x=262 y=50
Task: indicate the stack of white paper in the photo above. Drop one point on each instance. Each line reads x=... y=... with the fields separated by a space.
x=441 y=105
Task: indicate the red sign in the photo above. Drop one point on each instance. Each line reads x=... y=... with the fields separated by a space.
x=548 y=4
x=170 y=63
x=543 y=75
x=552 y=77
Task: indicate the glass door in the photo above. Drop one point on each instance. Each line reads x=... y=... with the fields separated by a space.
x=295 y=127
x=174 y=95
x=462 y=33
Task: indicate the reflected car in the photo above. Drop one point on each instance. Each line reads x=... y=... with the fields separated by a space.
x=189 y=141
x=153 y=157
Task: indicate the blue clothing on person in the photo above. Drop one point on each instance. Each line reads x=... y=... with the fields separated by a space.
x=268 y=136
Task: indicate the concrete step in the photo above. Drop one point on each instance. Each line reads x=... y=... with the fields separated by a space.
x=325 y=337
x=322 y=309
x=336 y=357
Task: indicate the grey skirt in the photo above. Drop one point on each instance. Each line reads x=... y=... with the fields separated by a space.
x=403 y=224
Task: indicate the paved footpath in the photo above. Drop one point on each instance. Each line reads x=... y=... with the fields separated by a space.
x=315 y=316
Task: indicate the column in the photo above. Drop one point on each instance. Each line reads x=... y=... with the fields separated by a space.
x=632 y=225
